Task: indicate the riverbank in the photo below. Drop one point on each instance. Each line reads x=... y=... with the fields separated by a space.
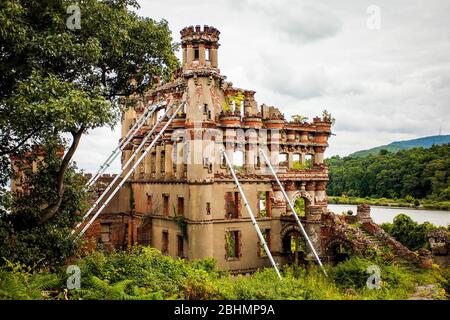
x=404 y=203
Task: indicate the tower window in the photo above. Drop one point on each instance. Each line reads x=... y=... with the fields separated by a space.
x=196 y=54
x=208 y=54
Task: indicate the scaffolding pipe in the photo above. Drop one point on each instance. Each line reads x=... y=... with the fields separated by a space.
x=124 y=142
x=250 y=212
x=266 y=159
x=160 y=133
x=125 y=166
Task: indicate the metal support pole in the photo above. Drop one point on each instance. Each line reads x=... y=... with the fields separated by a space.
x=128 y=137
x=266 y=159
x=117 y=177
x=250 y=212
x=160 y=133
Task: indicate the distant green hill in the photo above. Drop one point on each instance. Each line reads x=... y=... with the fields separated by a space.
x=425 y=142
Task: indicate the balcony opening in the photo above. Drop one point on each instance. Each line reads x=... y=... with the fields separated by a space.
x=297 y=161
x=238 y=160
x=283 y=160
x=309 y=161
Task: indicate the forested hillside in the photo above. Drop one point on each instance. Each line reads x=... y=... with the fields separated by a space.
x=418 y=172
x=425 y=142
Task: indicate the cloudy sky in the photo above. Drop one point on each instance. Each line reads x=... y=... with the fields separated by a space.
x=382 y=79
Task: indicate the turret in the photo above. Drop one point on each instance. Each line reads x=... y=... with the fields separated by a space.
x=200 y=46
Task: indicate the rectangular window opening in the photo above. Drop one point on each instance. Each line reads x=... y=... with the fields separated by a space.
x=166 y=204
x=232 y=245
x=180 y=246
x=180 y=210
x=266 y=235
x=196 y=54
x=165 y=242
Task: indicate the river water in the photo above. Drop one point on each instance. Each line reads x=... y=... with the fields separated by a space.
x=387 y=214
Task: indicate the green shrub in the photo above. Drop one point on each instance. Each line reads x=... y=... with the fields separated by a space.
x=408 y=232
x=351 y=273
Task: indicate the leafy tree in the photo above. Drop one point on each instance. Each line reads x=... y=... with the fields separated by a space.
x=56 y=85
x=408 y=232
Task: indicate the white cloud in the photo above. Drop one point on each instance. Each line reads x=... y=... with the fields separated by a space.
x=302 y=56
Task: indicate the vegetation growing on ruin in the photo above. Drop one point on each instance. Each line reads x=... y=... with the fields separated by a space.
x=418 y=173
x=145 y=273
x=410 y=233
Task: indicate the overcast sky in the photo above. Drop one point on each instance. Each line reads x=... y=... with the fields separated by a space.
x=381 y=84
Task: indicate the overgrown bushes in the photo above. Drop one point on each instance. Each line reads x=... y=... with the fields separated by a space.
x=410 y=233
x=144 y=273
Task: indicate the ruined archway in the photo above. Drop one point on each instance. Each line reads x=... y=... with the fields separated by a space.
x=301 y=200
x=338 y=250
x=293 y=245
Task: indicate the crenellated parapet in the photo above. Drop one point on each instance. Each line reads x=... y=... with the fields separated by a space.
x=193 y=35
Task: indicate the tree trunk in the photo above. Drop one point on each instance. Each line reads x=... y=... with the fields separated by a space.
x=52 y=209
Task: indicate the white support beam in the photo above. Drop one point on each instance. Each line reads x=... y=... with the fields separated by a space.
x=124 y=142
x=250 y=212
x=125 y=166
x=139 y=160
x=266 y=159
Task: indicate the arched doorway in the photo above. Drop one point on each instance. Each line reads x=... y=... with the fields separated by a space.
x=338 y=251
x=294 y=245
